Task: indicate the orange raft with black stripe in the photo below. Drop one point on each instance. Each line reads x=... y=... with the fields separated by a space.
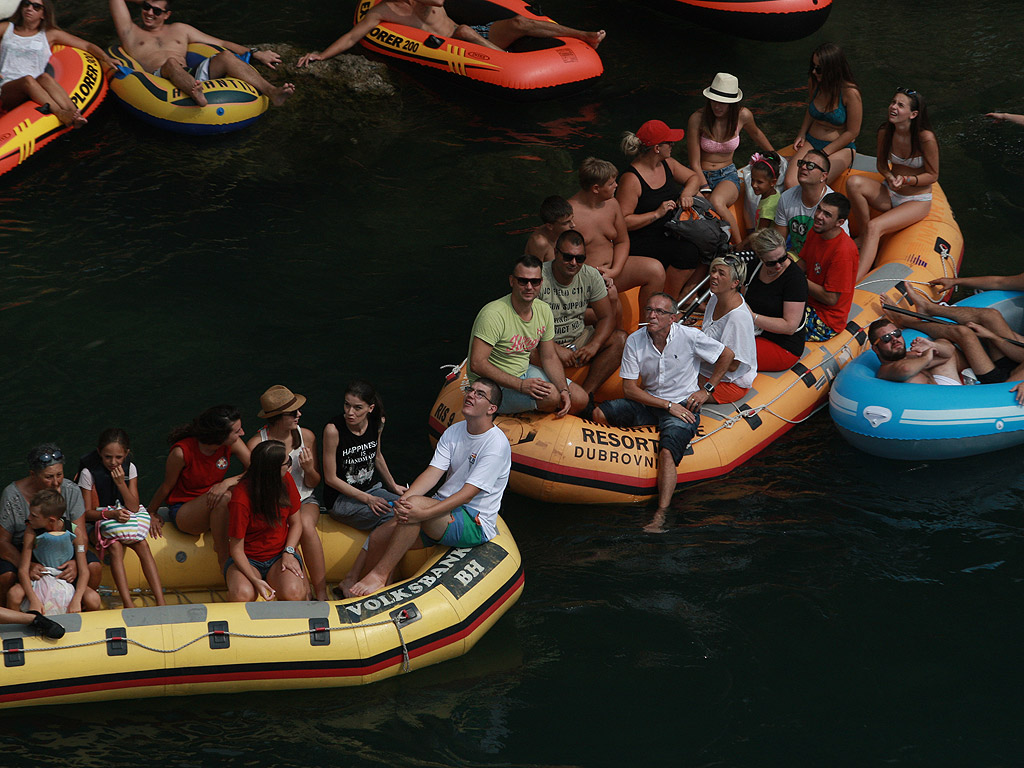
x=24 y=130
x=446 y=601
x=531 y=68
x=775 y=20
x=576 y=461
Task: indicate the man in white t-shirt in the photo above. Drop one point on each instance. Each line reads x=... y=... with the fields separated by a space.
x=474 y=458
x=795 y=215
x=659 y=378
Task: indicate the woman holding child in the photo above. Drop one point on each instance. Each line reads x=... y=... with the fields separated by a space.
x=908 y=159
x=649 y=190
x=46 y=471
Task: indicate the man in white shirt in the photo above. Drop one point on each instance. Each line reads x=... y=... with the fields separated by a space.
x=666 y=357
x=474 y=458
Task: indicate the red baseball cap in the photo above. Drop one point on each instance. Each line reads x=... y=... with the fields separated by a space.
x=656 y=132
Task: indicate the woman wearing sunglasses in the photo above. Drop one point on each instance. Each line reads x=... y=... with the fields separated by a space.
x=46 y=471
x=25 y=42
x=834 y=113
x=727 y=319
x=908 y=159
x=777 y=295
x=653 y=186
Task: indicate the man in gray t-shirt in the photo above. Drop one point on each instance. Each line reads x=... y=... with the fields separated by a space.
x=794 y=216
x=570 y=289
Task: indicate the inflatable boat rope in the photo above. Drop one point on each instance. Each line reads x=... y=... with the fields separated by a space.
x=397 y=621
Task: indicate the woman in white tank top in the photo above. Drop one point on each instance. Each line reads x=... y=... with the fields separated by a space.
x=280 y=407
x=25 y=42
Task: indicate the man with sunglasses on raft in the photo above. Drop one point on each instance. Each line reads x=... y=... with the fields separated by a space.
x=660 y=366
x=571 y=288
x=506 y=331
x=927 y=361
x=794 y=216
x=160 y=48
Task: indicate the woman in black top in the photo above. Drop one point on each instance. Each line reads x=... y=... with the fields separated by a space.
x=649 y=191
x=777 y=296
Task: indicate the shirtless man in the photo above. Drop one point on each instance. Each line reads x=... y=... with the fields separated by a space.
x=599 y=219
x=926 y=362
x=556 y=213
x=430 y=16
x=161 y=47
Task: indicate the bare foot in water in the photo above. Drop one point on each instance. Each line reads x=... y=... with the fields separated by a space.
x=367 y=586
x=280 y=95
x=657 y=524
x=594 y=39
x=197 y=94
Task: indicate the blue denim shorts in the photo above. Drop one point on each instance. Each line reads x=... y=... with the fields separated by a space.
x=262 y=566
x=514 y=401
x=728 y=173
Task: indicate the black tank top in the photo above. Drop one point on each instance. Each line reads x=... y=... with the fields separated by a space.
x=106 y=492
x=355 y=459
x=651 y=198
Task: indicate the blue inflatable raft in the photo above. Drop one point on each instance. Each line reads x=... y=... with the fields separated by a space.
x=926 y=421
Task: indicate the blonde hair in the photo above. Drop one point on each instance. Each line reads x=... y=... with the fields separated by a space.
x=632 y=146
x=737 y=267
x=594 y=171
x=767 y=240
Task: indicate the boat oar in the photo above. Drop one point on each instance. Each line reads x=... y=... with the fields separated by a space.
x=943 y=320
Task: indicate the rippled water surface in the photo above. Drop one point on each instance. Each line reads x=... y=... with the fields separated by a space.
x=815 y=607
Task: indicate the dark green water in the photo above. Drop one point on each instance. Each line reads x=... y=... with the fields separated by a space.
x=815 y=607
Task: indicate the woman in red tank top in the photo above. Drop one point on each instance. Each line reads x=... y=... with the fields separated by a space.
x=195 y=487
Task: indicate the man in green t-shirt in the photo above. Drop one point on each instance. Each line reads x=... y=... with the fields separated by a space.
x=506 y=331
x=570 y=288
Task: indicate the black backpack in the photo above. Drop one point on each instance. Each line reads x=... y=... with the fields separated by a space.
x=702 y=226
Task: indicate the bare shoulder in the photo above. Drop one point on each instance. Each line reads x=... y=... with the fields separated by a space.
x=307 y=436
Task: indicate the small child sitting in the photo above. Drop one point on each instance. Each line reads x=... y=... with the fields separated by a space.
x=45 y=551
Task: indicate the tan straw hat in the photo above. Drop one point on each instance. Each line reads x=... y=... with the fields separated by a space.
x=279 y=399
x=724 y=88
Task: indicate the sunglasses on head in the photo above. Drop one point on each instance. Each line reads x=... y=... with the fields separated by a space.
x=579 y=258
x=30 y=4
x=153 y=9
x=809 y=165
x=906 y=91
x=536 y=282
x=897 y=334
x=51 y=458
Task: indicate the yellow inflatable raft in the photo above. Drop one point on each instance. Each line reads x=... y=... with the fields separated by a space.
x=575 y=461
x=439 y=611
x=232 y=104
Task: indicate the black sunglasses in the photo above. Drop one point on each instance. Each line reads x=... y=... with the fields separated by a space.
x=30 y=4
x=897 y=334
x=776 y=262
x=536 y=282
x=153 y=9
x=578 y=257
x=815 y=69
x=809 y=165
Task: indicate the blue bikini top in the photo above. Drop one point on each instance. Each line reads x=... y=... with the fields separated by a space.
x=836 y=117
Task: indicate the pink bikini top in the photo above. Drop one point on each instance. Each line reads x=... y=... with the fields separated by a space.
x=713 y=147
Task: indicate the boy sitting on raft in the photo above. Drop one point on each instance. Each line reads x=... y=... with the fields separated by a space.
x=430 y=16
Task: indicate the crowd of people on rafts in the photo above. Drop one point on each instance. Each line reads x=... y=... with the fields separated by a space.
x=263 y=521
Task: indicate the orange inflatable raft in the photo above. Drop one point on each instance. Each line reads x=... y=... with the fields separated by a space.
x=572 y=460
x=532 y=68
x=775 y=20
x=24 y=130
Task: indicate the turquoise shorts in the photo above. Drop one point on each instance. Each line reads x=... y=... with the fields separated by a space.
x=463 y=530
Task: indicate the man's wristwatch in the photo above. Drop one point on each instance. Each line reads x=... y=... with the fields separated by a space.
x=289 y=550
x=709 y=388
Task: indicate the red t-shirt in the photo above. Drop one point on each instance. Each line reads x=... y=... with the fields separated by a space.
x=262 y=542
x=200 y=473
x=832 y=264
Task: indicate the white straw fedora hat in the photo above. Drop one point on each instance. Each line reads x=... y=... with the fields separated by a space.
x=724 y=88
